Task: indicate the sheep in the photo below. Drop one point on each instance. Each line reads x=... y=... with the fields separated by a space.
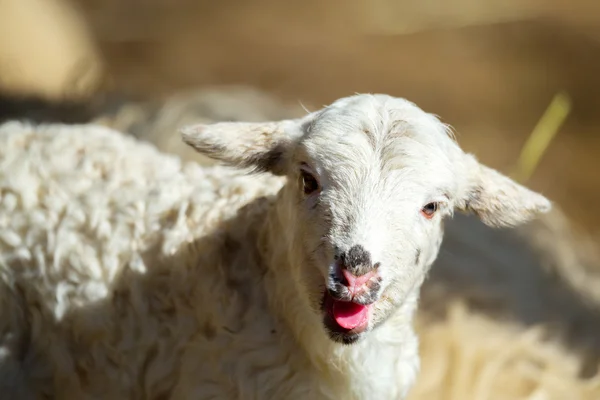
x=291 y=272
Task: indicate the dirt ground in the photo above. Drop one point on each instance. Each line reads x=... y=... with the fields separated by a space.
x=491 y=83
x=490 y=80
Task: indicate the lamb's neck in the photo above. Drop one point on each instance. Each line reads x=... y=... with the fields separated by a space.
x=392 y=340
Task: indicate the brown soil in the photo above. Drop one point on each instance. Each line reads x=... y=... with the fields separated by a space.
x=491 y=82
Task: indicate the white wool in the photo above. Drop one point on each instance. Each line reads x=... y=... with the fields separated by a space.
x=126 y=275
x=80 y=205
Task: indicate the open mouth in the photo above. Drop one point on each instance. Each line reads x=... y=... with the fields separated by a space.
x=345 y=320
x=348 y=303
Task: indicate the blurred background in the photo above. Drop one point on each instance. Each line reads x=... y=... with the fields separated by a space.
x=493 y=69
x=490 y=68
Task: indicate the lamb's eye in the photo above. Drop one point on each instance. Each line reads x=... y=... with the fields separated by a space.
x=429 y=210
x=309 y=182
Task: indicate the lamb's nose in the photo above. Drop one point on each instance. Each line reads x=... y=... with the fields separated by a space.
x=357 y=269
x=358 y=284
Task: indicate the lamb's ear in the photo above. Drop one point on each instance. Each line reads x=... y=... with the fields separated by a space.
x=260 y=146
x=498 y=200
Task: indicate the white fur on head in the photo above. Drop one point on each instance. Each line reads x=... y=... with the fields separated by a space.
x=265 y=146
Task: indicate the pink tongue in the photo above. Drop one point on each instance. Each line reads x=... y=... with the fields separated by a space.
x=349 y=315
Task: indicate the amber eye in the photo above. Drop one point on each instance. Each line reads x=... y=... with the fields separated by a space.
x=309 y=182
x=429 y=210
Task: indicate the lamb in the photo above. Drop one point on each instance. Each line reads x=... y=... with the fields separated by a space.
x=291 y=272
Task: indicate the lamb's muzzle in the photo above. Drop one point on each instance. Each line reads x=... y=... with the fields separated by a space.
x=353 y=287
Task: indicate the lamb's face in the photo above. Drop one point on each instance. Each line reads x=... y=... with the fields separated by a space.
x=370 y=180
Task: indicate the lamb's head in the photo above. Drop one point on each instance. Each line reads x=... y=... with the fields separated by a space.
x=370 y=180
